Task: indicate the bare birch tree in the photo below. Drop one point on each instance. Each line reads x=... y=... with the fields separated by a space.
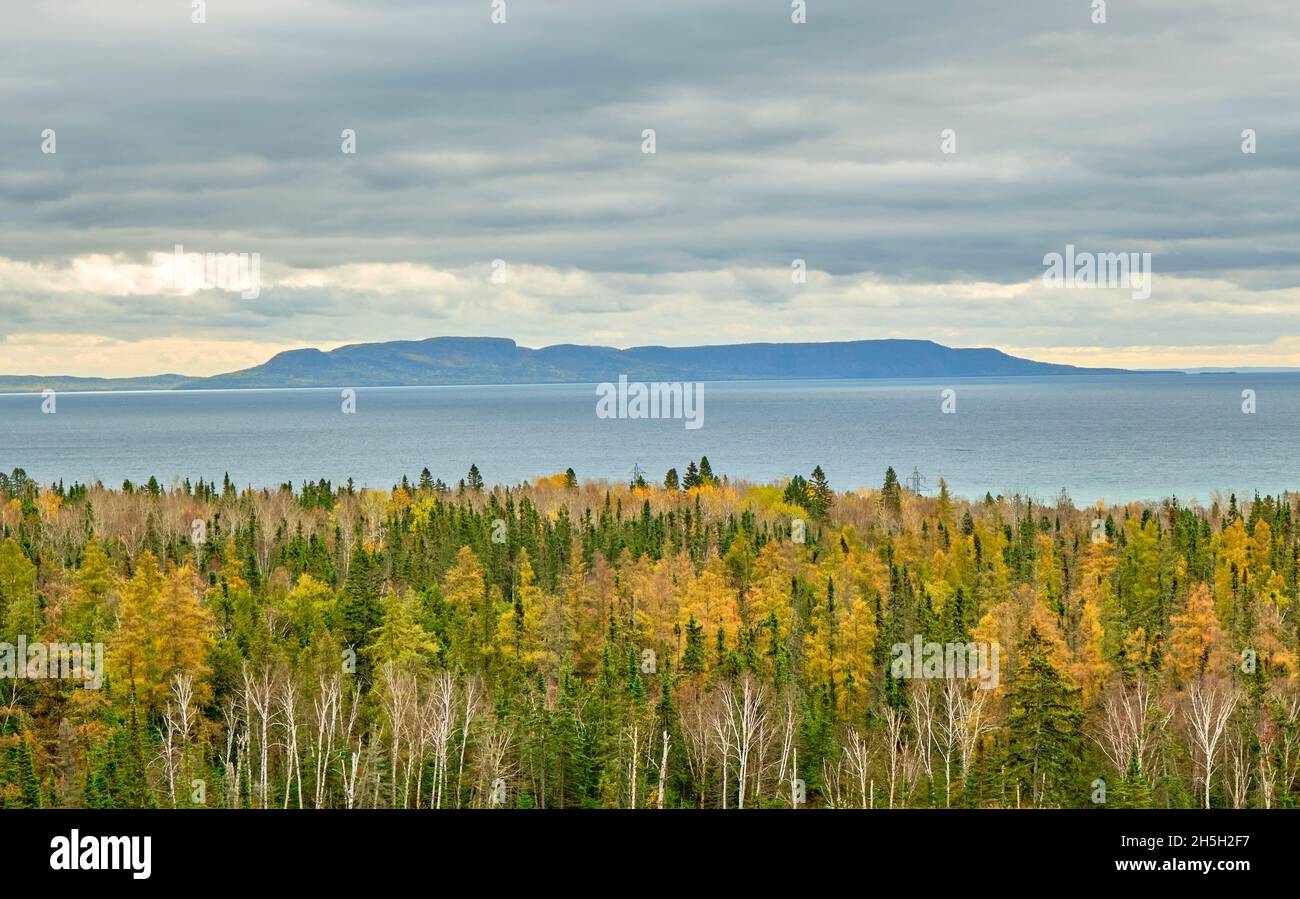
x=289 y=699
x=857 y=755
x=1129 y=726
x=696 y=739
x=895 y=750
x=1209 y=705
x=473 y=694
x=438 y=720
x=663 y=773
x=257 y=699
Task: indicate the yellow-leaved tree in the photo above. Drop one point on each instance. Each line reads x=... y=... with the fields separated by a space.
x=182 y=631
x=1090 y=669
x=401 y=641
x=855 y=663
x=163 y=629
x=130 y=653
x=711 y=601
x=20 y=611
x=519 y=627
x=463 y=589
x=1230 y=569
x=1196 y=638
x=89 y=615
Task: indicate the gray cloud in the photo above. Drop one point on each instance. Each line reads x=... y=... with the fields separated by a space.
x=775 y=141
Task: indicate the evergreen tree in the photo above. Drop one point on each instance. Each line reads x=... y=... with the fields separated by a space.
x=1132 y=790
x=692 y=478
x=693 y=659
x=360 y=606
x=891 y=494
x=821 y=495
x=474 y=480
x=798 y=493
x=1045 y=726
x=706 y=472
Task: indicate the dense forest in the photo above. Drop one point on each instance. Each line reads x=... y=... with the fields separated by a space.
x=692 y=642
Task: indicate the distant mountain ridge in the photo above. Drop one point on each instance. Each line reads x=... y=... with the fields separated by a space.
x=499 y=360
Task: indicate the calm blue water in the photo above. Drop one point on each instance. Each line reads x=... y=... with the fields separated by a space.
x=1114 y=438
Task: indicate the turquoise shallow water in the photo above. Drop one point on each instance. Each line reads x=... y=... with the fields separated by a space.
x=1113 y=438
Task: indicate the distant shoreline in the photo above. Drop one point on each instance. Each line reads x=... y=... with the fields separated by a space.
x=6 y=390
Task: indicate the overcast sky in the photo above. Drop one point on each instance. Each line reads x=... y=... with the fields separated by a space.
x=523 y=142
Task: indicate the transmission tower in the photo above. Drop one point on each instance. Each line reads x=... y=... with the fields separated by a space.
x=916 y=481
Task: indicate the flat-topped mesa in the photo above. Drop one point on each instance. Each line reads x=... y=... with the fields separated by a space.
x=450 y=360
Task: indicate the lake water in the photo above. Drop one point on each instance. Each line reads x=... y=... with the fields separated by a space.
x=1115 y=438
